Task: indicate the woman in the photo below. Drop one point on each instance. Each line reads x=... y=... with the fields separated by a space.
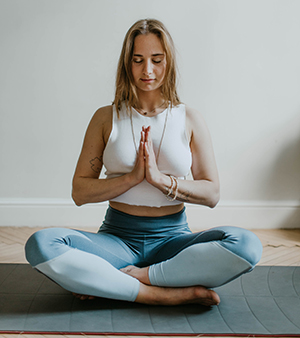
x=148 y=142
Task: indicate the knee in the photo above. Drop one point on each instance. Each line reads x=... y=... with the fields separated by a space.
x=33 y=248
x=243 y=243
x=42 y=246
x=251 y=247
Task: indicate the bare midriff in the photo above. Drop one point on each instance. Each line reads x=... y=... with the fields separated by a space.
x=140 y=210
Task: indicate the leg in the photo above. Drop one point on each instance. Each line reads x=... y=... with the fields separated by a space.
x=83 y=263
x=210 y=259
x=60 y=255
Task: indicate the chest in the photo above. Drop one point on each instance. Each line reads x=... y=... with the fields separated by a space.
x=170 y=143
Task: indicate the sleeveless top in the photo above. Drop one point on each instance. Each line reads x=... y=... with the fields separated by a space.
x=174 y=158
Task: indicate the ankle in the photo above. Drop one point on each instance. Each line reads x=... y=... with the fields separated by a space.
x=145 y=275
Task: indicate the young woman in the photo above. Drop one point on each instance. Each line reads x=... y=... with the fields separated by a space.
x=148 y=141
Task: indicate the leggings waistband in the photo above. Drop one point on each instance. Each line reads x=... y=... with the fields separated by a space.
x=119 y=222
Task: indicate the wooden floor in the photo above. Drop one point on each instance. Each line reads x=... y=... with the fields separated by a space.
x=281 y=247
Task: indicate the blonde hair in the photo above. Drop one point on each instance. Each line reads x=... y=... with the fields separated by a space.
x=125 y=88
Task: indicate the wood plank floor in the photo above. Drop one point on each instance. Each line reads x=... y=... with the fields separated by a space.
x=281 y=247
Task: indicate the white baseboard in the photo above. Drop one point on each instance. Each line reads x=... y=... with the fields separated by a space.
x=62 y=212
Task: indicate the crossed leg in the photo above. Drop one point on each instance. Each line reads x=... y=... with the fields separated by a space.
x=73 y=259
x=230 y=252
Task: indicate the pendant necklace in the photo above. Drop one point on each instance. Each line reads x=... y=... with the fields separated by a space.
x=162 y=136
x=150 y=112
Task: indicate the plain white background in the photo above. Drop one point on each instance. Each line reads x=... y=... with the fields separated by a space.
x=239 y=66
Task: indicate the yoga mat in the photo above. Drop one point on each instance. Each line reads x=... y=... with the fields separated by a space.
x=265 y=302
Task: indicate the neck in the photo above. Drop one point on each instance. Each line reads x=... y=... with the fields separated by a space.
x=149 y=101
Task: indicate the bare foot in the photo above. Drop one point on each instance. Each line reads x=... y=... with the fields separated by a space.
x=139 y=273
x=82 y=297
x=169 y=295
x=175 y=296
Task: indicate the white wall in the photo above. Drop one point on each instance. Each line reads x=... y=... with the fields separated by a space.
x=239 y=66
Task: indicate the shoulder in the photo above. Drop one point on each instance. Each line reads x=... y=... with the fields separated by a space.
x=101 y=121
x=193 y=115
x=194 y=121
x=103 y=114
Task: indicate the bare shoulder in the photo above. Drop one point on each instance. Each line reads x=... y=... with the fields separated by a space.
x=90 y=159
x=195 y=121
x=102 y=115
x=193 y=115
x=102 y=121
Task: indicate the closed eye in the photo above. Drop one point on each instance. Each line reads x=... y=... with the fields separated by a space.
x=140 y=61
x=137 y=60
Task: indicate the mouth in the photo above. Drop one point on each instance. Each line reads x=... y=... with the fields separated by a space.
x=147 y=80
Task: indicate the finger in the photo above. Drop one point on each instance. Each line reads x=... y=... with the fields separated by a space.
x=145 y=129
x=141 y=149
x=147 y=155
x=148 y=134
x=149 y=152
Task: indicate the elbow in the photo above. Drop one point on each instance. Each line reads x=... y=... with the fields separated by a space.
x=76 y=201
x=213 y=202
x=77 y=193
x=76 y=198
x=214 y=199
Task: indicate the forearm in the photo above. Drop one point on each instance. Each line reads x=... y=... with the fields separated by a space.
x=201 y=192
x=94 y=190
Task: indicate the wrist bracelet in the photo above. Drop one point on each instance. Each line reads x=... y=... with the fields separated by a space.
x=174 y=182
x=170 y=190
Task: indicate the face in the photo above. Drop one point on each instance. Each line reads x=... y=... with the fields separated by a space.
x=148 y=63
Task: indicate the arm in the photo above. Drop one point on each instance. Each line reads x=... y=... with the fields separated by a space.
x=87 y=187
x=204 y=188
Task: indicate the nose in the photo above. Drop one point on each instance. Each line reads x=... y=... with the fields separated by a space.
x=147 y=67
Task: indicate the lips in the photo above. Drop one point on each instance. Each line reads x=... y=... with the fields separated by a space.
x=147 y=80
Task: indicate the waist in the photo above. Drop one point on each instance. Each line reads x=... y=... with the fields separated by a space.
x=142 y=210
x=117 y=222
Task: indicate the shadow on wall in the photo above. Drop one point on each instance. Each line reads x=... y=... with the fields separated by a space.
x=282 y=179
x=268 y=172
x=293 y=221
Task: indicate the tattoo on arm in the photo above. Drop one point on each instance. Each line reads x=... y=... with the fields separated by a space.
x=96 y=164
x=184 y=196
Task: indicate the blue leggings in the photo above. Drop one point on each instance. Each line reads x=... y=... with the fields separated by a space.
x=88 y=263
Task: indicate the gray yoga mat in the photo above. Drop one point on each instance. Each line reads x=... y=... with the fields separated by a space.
x=263 y=302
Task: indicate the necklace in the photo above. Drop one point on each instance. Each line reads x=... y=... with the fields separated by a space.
x=162 y=136
x=150 y=112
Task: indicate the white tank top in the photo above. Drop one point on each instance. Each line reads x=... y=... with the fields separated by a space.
x=174 y=158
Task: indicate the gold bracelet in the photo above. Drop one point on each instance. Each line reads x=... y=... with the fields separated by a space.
x=170 y=190
x=174 y=181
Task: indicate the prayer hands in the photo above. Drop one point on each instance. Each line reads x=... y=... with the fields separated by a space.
x=146 y=166
x=151 y=170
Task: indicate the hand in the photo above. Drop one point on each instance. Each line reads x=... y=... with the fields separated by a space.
x=152 y=172
x=138 y=172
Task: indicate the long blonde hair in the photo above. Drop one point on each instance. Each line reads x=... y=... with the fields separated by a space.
x=125 y=88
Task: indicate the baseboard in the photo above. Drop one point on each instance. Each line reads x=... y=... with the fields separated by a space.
x=63 y=212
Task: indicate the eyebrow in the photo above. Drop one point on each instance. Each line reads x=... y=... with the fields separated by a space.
x=157 y=54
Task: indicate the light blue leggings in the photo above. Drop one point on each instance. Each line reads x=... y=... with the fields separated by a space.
x=88 y=263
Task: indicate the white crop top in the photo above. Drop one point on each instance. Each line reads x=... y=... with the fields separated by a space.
x=175 y=158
